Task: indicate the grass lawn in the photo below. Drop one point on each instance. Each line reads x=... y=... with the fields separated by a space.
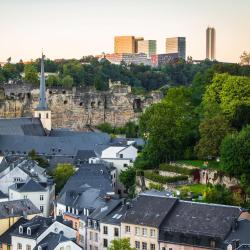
x=195 y=189
x=200 y=163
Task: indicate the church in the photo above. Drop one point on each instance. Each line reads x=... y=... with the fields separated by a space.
x=18 y=136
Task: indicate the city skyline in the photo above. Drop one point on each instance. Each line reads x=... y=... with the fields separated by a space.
x=72 y=29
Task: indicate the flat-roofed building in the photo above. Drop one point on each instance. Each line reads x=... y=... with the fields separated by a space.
x=124 y=44
x=176 y=45
x=147 y=47
x=210 y=43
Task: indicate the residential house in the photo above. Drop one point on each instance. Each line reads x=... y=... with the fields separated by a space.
x=42 y=194
x=120 y=157
x=110 y=226
x=21 y=170
x=5 y=238
x=142 y=221
x=12 y=211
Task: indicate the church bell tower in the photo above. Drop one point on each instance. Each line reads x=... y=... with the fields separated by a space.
x=42 y=111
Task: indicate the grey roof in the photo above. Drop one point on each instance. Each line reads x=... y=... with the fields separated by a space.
x=83 y=156
x=200 y=219
x=51 y=241
x=21 y=126
x=37 y=224
x=5 y=238
x=93 y=175
x=103 y=211
x=2 y=195
x=29 y=186
x=242 y=233
x=116 y=216
x=17 y=208
x=149 y=210
x=64 y=145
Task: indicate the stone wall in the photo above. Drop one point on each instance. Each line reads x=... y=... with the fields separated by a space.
x=79 y=107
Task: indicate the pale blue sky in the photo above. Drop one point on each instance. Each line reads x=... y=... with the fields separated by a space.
x=73 y=28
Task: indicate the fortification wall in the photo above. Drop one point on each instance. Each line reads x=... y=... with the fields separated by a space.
x=77 y=108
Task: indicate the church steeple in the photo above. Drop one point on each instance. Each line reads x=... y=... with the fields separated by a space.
x=42 y=111
x=42 y=95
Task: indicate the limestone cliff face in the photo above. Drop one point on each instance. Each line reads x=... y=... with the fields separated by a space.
x=78 y=107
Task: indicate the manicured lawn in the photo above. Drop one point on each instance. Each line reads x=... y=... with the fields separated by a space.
x=196 y=189
x=200 y=163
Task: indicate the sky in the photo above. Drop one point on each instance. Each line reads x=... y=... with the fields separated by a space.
x=74 y=28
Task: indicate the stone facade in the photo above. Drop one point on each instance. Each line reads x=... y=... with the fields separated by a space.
x=78 y=107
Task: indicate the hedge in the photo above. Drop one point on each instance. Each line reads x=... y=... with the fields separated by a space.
x=176 y=169
x=164 y=179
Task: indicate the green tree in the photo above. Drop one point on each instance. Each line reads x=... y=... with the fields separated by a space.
x=127 y=177
x=10 y=71
x=131 y=130
x=30 y=74
x=235 y=153
x=67 y=81
x=42 y=162
x=61 y=175
x=52 y=80
x=120 y=244
x=106 y=127
x=212 y=132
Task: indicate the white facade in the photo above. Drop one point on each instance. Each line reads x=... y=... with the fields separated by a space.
x=45 y=117
x=108 y=233
x=67 y=245
x=17 y=175
x=43 y=200
x=22 y=243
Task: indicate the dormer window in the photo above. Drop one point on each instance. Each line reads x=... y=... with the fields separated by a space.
x=121 y=155
x=28 y=231
x=20 y=229
x=40 y=248
x=95 y=224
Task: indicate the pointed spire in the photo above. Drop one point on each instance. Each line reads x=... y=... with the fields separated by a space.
x=42 y=95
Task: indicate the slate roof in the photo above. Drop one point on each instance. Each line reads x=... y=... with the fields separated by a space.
x=51 y=241
x=21 y=126
x=149 y=210
x=49 y=145
x=84 y=155
x=38 y=225
x=29 y=186
x=242 y=233
x=200 y=219
x=5 y=238
x=2 y=195
x=93 y=175
x=17 y=208
x=116 y=216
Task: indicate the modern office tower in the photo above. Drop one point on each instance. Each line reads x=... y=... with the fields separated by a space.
x=124 y=44
x=127 y=44
x=176 y=45
x=137 y=40
x=210 y=43
x=147 y=46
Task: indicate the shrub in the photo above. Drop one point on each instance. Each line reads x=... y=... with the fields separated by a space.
x=164 y=179
x=176 y=169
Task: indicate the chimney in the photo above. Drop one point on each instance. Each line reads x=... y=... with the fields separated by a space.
x=235 y=244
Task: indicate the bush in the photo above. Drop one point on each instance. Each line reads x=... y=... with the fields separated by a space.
x=176 y=169
x=164 y=179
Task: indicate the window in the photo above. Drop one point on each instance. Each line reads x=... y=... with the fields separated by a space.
x=47 y=115
x=39 y=115
x=95 y=224
x=116 y=232
x=81 y=238
x=19 y=246
x=28 y=247
x=25 y=197
x=20 y=229
x=137 y=231
x=152 y=232
x=41 y=197
x=212 y=243
x=28 y=231
x=90 y=235
x=68 y=248
x=80 y=225
x=61 y=248
x=41 y=209
x=76 y=225
x=96 y=237
x=105 y=230
x=144 y=231
x=90 y=247
x=164 y=248
x=89 y=223
x=127 y=229
x=144 y=246
x=105 y=243
x=152 y=246
x=137 y=245
x=121 y=155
